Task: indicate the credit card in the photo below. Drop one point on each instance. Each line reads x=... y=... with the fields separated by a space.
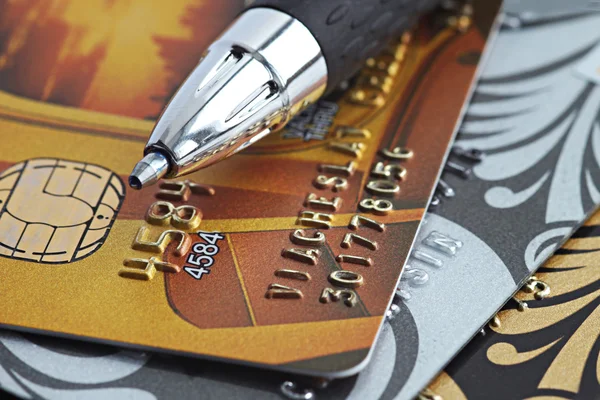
x=537 y=337
x=544 y=343
x=524 y=175
x=286 y=256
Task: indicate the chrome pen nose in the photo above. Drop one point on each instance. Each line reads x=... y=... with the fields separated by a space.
x=148 y=171
x=249 y=83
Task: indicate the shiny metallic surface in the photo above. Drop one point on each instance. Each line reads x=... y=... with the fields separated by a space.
x=290 y=390
x=149 y=170
x=263 y=69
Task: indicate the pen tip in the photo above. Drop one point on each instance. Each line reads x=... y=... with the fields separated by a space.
x=135 y=183
x=148 y=171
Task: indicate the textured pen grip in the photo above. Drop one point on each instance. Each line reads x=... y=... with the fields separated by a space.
x=350 y=31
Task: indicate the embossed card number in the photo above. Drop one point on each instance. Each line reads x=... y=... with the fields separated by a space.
x=184 y=218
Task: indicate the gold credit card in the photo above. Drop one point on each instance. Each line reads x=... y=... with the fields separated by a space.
x=545 y=342
x=286 y=255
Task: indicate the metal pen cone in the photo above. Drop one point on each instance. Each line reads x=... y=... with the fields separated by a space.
x=148 y=171
x=250 y=82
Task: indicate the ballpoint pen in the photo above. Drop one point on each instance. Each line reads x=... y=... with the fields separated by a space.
x=274 y=60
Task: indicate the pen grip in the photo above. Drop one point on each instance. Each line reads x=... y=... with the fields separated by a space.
x=350 y=31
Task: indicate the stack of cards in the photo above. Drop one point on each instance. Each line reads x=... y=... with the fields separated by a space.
x=351 y=256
